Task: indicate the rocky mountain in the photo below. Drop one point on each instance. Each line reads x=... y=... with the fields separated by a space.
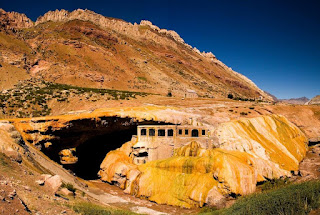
x=296 y=101
x=83 y=48
x=14 y=20
x=315 y=100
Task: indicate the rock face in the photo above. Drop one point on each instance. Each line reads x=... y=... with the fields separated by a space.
x=9 y=137
x=251 y=151
x=315 y=100
x=271 y=138
x=14 y=20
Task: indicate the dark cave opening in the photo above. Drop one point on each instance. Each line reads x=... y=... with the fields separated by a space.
x=92 y=152
x=93 y=139
x=313 y=143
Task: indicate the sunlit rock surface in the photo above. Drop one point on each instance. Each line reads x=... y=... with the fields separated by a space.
x=271 y=138
x=252 y=150
x=249 y=150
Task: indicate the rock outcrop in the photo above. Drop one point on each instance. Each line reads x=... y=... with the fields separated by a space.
x=251 y=151
x=271 y=138
x=314 y=101
x=14 y=20
x=9 y=138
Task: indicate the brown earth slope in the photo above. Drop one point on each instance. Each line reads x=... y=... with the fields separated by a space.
x=87 y=49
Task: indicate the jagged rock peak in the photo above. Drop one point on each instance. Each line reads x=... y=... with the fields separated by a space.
x=14 y=20
x=171 y=33
x=116 y=24
x=85 y=15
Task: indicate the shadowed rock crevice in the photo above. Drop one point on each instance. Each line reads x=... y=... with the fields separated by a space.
x=313 y=143
x=92 y=152
x=84 y=143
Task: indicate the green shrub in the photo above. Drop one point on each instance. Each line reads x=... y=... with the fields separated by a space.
x=294 y=199
x=4 y=161
x=275 y=183
x=142 y=79
x=70 y=187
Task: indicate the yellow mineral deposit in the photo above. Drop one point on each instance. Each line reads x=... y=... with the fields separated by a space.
x=246 y=151
x=251 y=150
x=270 y=137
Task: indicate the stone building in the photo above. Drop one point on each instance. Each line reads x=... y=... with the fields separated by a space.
x=191 y=94
x=156 y=142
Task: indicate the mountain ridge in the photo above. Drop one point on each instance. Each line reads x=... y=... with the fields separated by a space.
x=314 y=101
x=301 y=101
x=145 y=33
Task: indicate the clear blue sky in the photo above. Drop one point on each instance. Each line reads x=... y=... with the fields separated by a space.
x=274 y=43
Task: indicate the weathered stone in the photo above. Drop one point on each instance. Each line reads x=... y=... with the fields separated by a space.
x=64 y=191
x=27 y=188
x=215 y=199
x=44 y=177
x=195 y=176
x=12 y=194
x=53 y=183
x=40 y=182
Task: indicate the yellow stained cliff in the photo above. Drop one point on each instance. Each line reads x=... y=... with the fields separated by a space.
x=251 y=151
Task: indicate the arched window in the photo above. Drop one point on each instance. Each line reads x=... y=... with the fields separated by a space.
x=170 y=132
x=161 y=132
x=195 y=133
x=152 y=132
x=143 y=132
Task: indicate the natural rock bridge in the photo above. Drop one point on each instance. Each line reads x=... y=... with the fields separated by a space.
x=250 y=151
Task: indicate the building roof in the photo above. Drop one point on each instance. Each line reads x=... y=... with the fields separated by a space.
x=191 y=91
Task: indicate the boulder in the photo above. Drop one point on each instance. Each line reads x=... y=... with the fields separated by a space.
x=215 y=199
x=40 y=182
x=65 y=192
x=44 y=177
x=54 y=183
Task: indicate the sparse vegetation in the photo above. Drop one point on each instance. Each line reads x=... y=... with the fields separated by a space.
x=87 y=208
x=70 y=187
x=30 y=98
x=243 y=113
x=142 y=79
x=275 y=183
x=3 y=160
x=293 y=199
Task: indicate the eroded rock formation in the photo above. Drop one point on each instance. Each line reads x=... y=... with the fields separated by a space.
x=14 y=20
x=251 y=151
